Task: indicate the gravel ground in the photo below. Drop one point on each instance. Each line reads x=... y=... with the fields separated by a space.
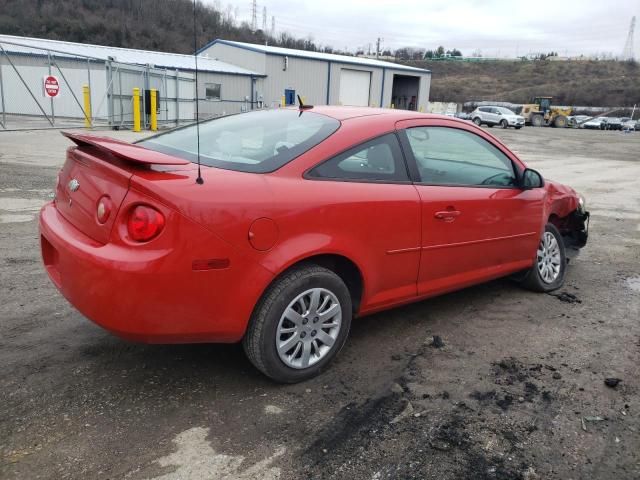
x=513 y=388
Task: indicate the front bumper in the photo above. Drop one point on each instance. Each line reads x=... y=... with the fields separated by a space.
x=151 y=293
x=576 y=232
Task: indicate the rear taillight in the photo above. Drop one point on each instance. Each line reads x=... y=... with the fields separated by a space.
x=103 y=210
x=144 y=223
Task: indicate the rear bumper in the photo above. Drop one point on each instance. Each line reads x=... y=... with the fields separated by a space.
x=151 y=293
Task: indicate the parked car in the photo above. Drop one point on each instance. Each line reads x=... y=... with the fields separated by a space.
x=597 y=123
x=613 y=123
x=290 y=222
x=491 y=116
x=463 y=115
x=576 y=121
x=628 y=123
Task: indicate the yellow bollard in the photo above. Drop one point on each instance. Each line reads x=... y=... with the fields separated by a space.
x=282 y=104
x=136 y=109
x=420 y=109
x=86 y=93
x=393 y=106
x=154 y=112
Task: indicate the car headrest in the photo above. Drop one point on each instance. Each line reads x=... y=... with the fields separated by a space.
x=380 y=158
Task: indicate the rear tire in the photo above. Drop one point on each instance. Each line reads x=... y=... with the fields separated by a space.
x=291 y=340
x=477 y=121
x=550 y=266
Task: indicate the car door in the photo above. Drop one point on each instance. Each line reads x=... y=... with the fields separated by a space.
x=485 y=116
x=495 y=116
x=374 y=210
x=477 y=224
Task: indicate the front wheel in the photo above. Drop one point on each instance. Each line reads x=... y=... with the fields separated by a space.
x=504 y=124
x=548 y=271
x=299 y=325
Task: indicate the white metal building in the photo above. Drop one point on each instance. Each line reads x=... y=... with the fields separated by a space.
x=323 y=78
x=232 y=77
x=112 y=73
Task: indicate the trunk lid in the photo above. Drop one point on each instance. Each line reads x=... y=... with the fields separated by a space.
x=99 y=167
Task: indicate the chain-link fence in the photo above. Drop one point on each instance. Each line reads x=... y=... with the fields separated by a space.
x=49 y=88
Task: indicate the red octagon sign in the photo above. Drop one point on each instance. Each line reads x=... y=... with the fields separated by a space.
x=51 y=86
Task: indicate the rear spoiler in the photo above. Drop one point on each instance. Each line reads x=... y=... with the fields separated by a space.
x=125 y=151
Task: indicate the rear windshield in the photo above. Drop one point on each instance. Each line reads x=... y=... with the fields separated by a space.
x=260 y=142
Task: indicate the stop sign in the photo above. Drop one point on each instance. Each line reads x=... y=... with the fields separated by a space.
x=51 y=86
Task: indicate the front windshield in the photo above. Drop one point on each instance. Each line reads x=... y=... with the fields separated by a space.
x=505 y=111
x=259 y=142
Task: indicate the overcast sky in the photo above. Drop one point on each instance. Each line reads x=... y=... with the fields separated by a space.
x=496 y=27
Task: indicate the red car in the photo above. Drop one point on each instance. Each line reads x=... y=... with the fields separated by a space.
x=299 y=220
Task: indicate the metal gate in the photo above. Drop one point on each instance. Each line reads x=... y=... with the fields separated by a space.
x=176 y=92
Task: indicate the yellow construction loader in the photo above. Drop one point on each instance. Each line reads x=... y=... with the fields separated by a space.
x=540 y=113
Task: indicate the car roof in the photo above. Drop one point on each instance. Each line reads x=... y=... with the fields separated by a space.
x=342 y=113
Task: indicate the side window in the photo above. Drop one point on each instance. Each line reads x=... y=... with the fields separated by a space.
x=448 y=156
x=484 y=109
x=379 y=159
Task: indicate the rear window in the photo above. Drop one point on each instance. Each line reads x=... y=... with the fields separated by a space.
x=259 y=142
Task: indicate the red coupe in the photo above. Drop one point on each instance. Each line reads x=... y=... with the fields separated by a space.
x=276 y=227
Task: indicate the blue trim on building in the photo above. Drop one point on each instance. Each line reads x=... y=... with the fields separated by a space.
x=293 y=55
x=328 y=81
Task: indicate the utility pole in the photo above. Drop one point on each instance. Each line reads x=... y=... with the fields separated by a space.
x=254 y=16
x=264 y=19
x=378 y=47
x=273 y=26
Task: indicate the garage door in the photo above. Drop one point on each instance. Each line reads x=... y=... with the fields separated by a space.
x=354 y=87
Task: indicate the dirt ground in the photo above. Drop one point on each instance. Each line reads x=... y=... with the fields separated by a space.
x=516 y=392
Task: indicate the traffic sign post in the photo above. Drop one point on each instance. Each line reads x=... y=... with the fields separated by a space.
x=51 y=86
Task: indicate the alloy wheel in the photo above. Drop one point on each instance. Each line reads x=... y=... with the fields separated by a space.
x=308 y=328
x=549 y=258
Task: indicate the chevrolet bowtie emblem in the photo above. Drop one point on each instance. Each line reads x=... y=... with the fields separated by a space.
x=74 y=185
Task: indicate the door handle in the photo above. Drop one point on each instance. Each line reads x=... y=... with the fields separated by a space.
x=447 y=215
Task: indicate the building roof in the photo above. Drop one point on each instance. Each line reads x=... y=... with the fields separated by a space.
x=40 y=46
x=327 y=57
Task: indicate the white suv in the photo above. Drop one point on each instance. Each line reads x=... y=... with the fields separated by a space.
x=491 y=116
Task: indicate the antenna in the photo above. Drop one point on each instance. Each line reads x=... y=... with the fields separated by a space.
x=627 y=52
x=254 y=16
x=199 y=179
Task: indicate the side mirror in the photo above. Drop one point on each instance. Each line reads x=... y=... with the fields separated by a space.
x=531 y=179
